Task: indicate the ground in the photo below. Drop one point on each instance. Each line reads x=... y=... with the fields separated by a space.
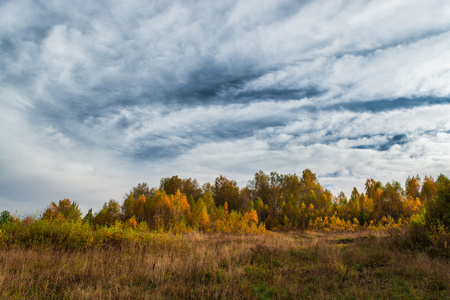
x=274 y=265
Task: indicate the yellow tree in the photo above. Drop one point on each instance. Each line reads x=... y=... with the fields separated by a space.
x=412 y=187
x=251 y=219
x=429 y=189
x=156 y=210
x=411 y=207
x=128 y=207
x=138 y=208
x=199 y=215
x=203 y=218
x=179 y=207
x=353 y=207
x=65 y=210
x=378 y=203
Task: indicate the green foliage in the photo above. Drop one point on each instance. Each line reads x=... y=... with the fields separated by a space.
x=438 y=209
x=49 y=233
x=225 y=190
x=5 y=217
x=431 y=228
x=108 y=215
x=89 y=217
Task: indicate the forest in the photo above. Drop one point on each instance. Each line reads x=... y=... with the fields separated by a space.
x=276 y=225
x=269 y=202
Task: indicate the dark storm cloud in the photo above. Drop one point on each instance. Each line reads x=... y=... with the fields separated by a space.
x=380 y=105
x=399 y=139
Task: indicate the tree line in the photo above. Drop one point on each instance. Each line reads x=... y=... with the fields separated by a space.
x=271 y=201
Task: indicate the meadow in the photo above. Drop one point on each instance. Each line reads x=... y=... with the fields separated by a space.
x=364 y=264
x=274 y=241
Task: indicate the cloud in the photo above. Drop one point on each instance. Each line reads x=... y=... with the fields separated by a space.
x=99 y=96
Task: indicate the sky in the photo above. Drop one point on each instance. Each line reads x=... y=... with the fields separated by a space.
x=98 y=96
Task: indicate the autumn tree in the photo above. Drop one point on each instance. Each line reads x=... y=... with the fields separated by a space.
x=259 y=187
x=108 y=215
x=141 y=189
x=170 y=185
x=310 y=183
x=66 y=209
x=412 y=187
x=371 y=187
x=353 y=205
x=177 y=210
x=311 y=199
x=288 y=208
x=325 y=201
x=379 y=206
x=139 y=208
x=200 y=217
x=245 y=198
x=225 y=190
x=156 y=212
x=438 y=208
x=393 y=197
x=188 y=186
x=275 y=196
x=429 y=189
x=128 y=207
x=292 y=189
x=342 y=202
x=411 y=207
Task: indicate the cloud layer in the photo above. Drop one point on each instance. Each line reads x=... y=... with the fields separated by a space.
x=98 y=96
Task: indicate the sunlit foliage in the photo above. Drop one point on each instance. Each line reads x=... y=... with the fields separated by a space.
x=274 y=202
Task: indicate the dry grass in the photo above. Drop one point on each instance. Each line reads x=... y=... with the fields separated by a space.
x=289 y=265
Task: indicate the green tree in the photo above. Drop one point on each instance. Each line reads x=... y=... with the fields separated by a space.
x=393 y=198
x=128 y=207
x=188 y=186
x=259 y=187
x=438 y=208
x=141 y=189
x=309 y=183
x=108 y=215
x=292 y=187
x=89 y=217
x=225 y=190
x=5 y=217
x=275 y=197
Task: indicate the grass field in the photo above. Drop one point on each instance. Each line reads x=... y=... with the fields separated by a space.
x=292 y=265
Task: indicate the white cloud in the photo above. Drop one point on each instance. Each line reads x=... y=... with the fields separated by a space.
x=97 y=97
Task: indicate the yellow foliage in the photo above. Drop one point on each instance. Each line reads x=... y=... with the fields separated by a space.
x=140 y=200
x=131 y=223
x=251 y=217
x=203 y=221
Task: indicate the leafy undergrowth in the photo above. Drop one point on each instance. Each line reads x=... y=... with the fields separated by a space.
x=292 y=265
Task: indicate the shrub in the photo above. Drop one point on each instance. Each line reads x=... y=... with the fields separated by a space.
x=5 y=217
x=61 y=235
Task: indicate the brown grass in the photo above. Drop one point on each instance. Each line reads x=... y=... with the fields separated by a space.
x=293 y=265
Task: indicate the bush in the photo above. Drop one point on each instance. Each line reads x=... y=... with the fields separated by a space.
x=61 y=235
